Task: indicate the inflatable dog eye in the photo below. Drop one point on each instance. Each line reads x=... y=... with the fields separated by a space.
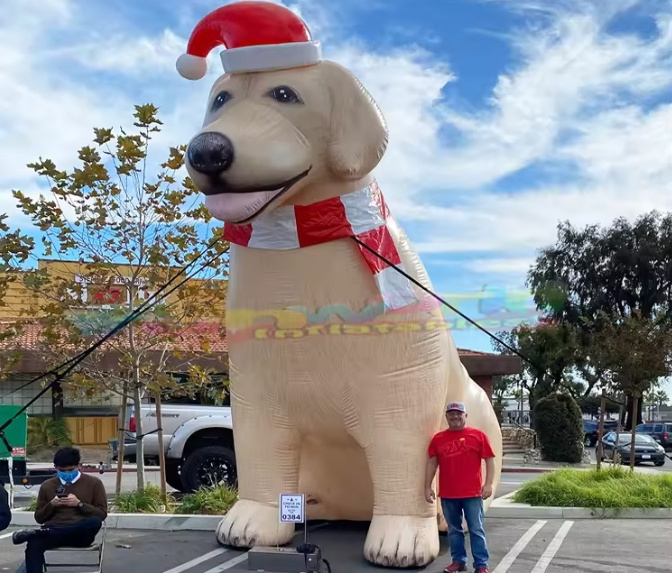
x=340 y=367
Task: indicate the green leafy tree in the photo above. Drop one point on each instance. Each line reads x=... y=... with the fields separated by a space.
x=551 y=351
x=656 y=396
x=503 y=386
x=559 y=426
x=127 y=227
x=618 y=270
x=636 y=352
x=591 y=405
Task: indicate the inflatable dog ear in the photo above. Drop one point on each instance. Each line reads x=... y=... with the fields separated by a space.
x=358 y=130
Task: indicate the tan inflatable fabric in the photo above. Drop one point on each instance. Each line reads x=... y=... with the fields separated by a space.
x=342 y=411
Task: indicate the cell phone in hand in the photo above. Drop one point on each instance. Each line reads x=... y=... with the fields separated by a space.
x=61 y=495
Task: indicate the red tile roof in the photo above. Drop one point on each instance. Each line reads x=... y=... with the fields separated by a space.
x=189 y=340
x=200 y=337
x=465 y=352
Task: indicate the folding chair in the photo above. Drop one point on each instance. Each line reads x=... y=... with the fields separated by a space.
x=97 y=547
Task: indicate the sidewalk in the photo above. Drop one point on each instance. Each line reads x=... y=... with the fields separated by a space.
x=94 y=468
x=514 y=463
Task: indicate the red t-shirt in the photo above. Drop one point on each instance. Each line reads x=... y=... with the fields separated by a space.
x=460 y=454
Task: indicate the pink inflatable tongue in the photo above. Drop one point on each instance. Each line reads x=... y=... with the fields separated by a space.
x=237 y=207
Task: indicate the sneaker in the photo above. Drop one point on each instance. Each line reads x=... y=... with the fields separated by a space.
x=482 y=570
x=455 y=566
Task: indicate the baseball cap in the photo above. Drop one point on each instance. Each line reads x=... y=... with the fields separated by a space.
x=459 y=406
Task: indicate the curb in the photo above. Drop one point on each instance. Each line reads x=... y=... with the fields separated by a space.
x=505 y=508
x=525 y=470
x=170 y=522
x=522 y=511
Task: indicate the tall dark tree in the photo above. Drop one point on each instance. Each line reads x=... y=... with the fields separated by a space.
x=619 y=270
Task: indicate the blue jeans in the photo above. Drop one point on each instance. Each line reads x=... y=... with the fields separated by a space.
x=472 y=508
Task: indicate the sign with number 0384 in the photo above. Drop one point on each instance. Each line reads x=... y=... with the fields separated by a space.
x=292 y=508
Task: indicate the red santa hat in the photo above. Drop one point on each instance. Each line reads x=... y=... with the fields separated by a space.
x=258 y=36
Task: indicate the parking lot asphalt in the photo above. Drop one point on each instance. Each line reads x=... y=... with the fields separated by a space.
x=516 y=546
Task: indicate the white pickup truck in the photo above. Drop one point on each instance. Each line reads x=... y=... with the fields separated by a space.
x=198 y=444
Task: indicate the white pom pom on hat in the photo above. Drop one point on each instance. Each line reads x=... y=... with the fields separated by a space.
x=192 y=67
x=258 y=36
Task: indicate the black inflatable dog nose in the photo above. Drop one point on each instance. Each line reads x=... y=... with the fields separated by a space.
x=210 y=153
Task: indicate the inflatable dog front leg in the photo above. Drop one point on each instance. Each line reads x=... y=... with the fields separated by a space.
x=267 y=451
x=397 y=415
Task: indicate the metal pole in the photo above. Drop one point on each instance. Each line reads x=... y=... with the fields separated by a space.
x=600 y=431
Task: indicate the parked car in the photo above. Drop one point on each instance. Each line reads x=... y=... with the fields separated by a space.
x=659 y=431
x=198 y=444
x=591 y=430
x=646 y=448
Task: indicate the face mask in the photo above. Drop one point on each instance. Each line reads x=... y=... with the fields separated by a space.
x=67 y=476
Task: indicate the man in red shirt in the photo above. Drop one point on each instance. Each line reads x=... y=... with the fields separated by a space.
x=458 y=453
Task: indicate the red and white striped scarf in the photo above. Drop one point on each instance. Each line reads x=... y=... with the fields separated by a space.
x=362 y=214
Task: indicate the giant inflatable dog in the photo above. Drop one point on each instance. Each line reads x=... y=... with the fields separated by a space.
x=342 y=412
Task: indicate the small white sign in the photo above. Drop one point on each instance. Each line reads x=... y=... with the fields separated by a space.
x=292 y=506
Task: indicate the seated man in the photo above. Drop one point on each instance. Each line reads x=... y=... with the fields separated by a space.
x=5 y=510
x=71 y=508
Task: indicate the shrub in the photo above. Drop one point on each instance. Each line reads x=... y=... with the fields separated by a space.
x=47 y=432
x=613 y=487
x=148 y=500
x=208 y=501
x=559 y=426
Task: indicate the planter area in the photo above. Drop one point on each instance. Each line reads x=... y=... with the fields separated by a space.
x=611 y=487
x=199 y=511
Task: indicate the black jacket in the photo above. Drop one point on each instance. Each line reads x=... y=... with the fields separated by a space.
x=5 y=512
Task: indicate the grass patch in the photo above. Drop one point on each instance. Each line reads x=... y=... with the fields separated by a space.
x=148 y=500
x=208 y=501
x=205 y=501
x=611 y=487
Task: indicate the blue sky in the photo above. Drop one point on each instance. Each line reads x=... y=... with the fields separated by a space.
x=505 y=116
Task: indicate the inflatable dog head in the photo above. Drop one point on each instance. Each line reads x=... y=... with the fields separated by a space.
x=281 y=122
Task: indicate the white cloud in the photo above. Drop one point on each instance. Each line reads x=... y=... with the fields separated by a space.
x=139 y=57
x=583 y=101
x=499 y=266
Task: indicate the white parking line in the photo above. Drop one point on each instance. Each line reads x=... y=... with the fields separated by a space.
x=194 y=562
x=516 y=550
x=552 y=549
x=228 y=564
x=6 y=535
x=220 y=551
